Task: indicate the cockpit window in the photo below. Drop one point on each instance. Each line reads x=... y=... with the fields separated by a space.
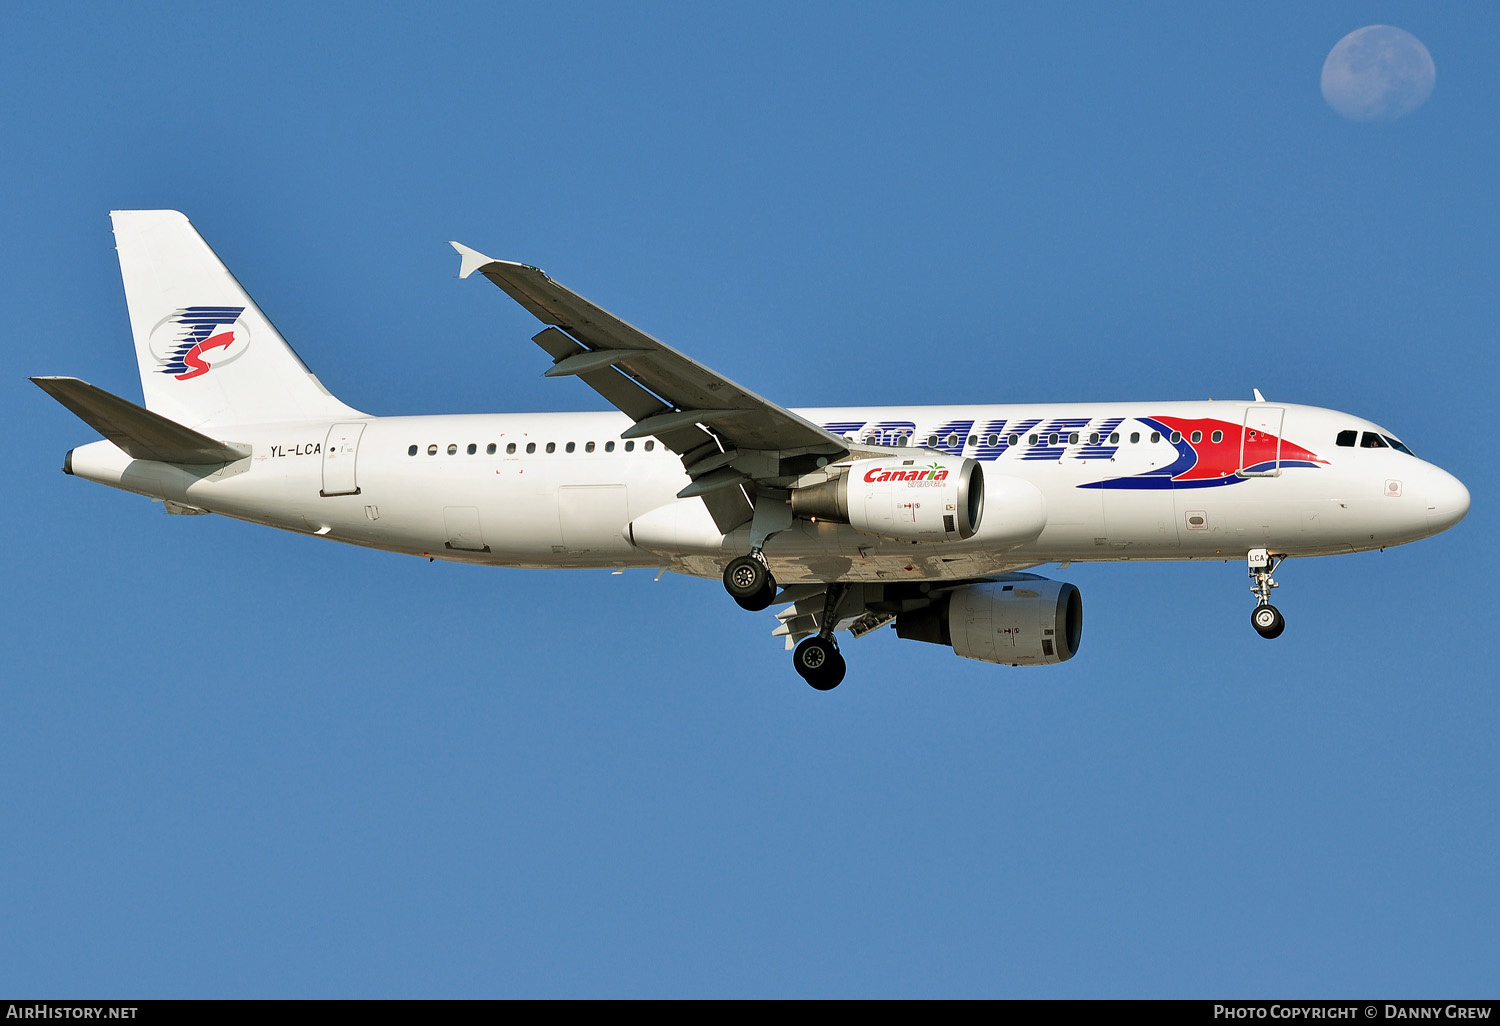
x=1396 y=444
x=1372 y=441
x=1347 y=438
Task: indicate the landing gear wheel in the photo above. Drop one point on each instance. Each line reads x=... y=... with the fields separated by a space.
x=1267 y=621
x=818 y=661
x=749 y=583
x=755 y=603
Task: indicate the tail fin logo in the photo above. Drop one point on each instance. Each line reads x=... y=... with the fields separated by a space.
x=194 y=340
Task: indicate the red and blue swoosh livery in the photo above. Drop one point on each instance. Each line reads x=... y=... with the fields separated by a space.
x=199 y=335
x=1210 y=464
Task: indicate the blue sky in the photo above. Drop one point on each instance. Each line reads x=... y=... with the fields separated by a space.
x=237 y=762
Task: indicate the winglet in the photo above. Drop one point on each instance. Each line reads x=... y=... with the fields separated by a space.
x=473 y=260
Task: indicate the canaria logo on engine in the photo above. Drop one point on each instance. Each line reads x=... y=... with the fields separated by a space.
x=935 y=472
x=194 y=340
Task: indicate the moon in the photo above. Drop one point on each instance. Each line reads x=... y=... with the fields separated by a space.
x=1378 y=73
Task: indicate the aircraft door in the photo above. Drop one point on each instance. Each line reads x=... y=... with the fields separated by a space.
x=1260 y=442
x=591 y=518
x=340 y=451
x=464 y=533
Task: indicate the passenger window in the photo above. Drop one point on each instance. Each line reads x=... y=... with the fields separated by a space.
x=630 y=447
x=608 y=446
x=490 y=449
x=1346 y=438
x=973 y=439
x=510 y=449
x=993 y=440
x=551 y=446
x=473 y=448
x=1176 y=437
x=1032 y=440
x=1135 y=436
x=411 y=450
x=900 y=440
x=932 y=441
x=1014 y=439
x=1372 y=441
x=570 y=447
x=650 y=446
x=1155 y=437
x=432 y=450
x=531 y=447
x=1093 y=438
x=1052 y=438
x=1114 y=438
x=1197 y=436
x=952 y=440
x=1217 y=436
x=1073 y=438
x=453 y=449
x=588 y=446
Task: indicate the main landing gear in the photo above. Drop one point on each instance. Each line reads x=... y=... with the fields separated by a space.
x=749 y=582
x=818 y=662
x=747 y=578
x=817 y=658
x=1265 y=618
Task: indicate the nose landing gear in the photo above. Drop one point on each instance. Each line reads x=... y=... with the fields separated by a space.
x=1265 y=618
x=1267 y=621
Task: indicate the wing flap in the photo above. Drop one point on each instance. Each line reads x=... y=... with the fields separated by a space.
x=623 y=394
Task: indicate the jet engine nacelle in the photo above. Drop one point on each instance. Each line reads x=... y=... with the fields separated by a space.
x=921 y=499
x=1023 y=620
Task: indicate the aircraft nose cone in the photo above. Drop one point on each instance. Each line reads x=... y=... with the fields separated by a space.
x=1447 y=501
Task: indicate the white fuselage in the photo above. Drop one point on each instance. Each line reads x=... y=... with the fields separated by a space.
x=563 y=489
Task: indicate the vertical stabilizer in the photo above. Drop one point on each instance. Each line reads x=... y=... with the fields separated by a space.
x=207 y=355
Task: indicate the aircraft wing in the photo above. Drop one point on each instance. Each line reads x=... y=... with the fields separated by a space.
x=728 y=437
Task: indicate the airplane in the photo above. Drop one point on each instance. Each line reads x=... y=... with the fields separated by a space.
x=925 y=518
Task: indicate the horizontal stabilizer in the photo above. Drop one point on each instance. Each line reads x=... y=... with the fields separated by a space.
x=143 y=435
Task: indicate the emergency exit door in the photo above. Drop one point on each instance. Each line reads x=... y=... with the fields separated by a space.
x=340 y=454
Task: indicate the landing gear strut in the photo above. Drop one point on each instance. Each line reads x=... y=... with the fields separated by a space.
x=747 y=578
x=1265 y=618
x=817 y=658
x=749 y=582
